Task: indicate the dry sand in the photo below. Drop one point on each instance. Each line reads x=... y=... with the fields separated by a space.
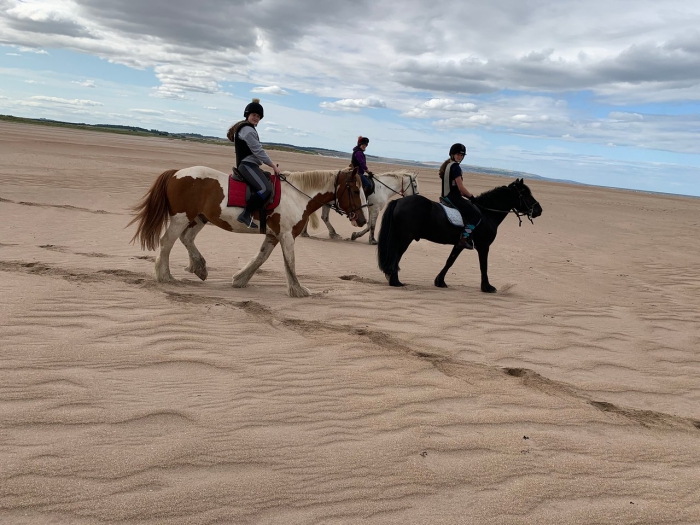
x=572 y=396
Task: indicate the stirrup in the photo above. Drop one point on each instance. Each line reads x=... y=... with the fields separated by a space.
x=466 y=242
x=247 y=219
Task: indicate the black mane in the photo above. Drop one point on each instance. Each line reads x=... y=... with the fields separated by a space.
x=493 y=198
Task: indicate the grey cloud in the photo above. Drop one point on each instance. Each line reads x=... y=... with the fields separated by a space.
x=46 y=22
x=219 y=24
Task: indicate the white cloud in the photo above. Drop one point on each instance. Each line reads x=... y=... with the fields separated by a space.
x=353 y=104
x=39 y=99
x=270 y=90
x=146 y=111
x=85 y=83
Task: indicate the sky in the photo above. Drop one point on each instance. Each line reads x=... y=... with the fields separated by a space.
x=603 y=92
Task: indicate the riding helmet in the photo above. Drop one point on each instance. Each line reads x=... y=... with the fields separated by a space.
x=458 y=148
x=254 y=107
x=362 y=140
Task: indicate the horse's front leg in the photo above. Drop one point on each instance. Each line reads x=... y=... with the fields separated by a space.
x=294 y=289
x=483 y=265
x=373 y=214
x=440 y=279
x=240 y=279
x=325 y=213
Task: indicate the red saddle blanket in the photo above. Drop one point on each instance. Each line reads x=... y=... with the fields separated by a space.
x=238 y=191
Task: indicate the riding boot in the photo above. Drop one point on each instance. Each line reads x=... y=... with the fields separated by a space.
x=466 y=241
x=254 y=203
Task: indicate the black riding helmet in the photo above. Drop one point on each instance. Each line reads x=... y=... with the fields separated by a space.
x=253 y=107
x=458 y=148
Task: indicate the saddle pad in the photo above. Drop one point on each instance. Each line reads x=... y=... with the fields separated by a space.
x=238 y=192
x=453 y=216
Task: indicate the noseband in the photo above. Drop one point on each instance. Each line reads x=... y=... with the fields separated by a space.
x=352 y=215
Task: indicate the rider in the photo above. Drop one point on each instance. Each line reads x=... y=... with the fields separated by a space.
x=250 y=155
x=453 y=190
x=358 y=161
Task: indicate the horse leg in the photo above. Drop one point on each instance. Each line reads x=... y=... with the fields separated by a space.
x=240 y=279
x=305 y=231
x=370 y=226
x=198 y=265
x=325 y=212
x=440 y=279
x=357 y=235
x=402 y=245
x=177 y=224
x=483 y=265
x=294 y=289
x=373 y=215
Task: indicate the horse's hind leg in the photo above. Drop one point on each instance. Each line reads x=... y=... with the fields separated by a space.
x=198 y=265
x=177 y=225
x=325 y=213
x=294 y=289
x=403 y=245
x=240 y=280
x=440 y=279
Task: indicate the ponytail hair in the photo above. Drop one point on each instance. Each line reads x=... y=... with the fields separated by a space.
x=231 y=135
x=443 y=166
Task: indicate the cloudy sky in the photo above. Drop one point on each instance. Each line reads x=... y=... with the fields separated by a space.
x=599 y=91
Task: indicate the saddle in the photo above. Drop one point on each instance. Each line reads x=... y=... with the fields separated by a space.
x=239 y=191
x=369 y=191
x=453 y=215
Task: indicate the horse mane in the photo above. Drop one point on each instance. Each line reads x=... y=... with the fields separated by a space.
x=491 y=197
x=310 y=180
x=398 y=175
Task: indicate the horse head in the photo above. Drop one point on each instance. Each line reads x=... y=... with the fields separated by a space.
x=527 y=204
x=349 y=196
x=409 y=184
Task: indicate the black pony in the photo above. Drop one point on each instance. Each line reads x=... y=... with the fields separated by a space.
x=416 y=217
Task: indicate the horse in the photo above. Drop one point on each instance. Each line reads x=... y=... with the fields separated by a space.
x=386 y=186
x=416 y=217
x=183 y=201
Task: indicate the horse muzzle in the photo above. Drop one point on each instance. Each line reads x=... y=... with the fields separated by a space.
x=536 y=210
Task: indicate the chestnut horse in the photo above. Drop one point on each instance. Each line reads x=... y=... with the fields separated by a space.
x=183 y=201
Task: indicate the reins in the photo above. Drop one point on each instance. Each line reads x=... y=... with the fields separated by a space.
x=335 y=206
x=517 y=213
x=403 y=192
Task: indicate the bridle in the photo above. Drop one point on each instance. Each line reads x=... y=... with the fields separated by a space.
x=336 y=205
x=521 y=204
x=412 y=184
x=352 y=215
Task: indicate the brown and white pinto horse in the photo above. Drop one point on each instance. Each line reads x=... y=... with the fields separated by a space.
x=183 y=201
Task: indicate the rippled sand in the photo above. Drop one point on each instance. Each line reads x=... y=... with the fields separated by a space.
x=572 y=396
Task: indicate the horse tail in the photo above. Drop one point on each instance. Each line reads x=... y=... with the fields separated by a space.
x=152 y=212
x=387 y=247
x=313 y=221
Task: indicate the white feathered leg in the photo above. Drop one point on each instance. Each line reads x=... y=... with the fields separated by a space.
x=177 y=224
x=240 y=279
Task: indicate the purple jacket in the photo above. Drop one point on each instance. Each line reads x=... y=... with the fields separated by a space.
x=358 y=160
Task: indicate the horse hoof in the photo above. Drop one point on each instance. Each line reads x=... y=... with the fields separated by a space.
x=488 y=289
x=440 y=283
x=353 y=237
x=372 y=242
x=334 y=236
x=299 y=291
x=303 y=234
x=202 y=274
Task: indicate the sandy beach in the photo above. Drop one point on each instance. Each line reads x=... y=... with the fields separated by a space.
x=571 y=396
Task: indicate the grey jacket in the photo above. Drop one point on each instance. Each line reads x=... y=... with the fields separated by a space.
x=250 y=135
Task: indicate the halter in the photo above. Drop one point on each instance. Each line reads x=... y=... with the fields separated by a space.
x=518 y=214
x=335 y=206
x=403 y=191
